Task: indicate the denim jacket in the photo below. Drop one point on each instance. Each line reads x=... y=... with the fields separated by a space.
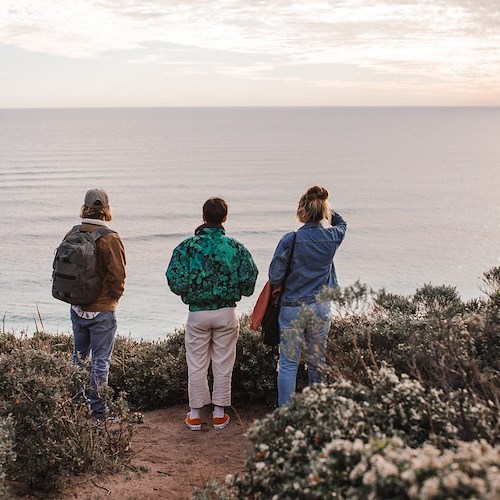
x=312 y=266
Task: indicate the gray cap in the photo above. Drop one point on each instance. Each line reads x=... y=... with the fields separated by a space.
x=96 y=198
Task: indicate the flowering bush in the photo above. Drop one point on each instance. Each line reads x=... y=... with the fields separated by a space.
x=390 y=469
x=289 y=441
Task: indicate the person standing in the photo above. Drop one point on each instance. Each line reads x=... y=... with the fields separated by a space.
x=94 y=324
x=211 y=272
x=311 y=270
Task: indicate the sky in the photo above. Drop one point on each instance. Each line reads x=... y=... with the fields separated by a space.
x=110 y=53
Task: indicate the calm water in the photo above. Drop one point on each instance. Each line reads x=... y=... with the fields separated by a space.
x=418 y=187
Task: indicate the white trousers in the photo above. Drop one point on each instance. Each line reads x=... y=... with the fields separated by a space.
x=211 y=336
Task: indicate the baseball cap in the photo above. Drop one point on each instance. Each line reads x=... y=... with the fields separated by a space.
x=96 y=198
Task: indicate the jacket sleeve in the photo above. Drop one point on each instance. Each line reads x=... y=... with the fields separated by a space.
x=247 y=272
x=177 y=271
x=279 y=262
x=339 y=227
x=115 y=262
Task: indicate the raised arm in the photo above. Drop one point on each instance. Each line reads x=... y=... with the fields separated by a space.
x=339 y=226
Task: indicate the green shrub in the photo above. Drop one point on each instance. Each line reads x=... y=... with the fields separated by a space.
x=152 y=374
x=8 y=341
x=55 y=342
x=422 y=368
x=254 y=375
x=289 y=440
x=53 y=435
x=6 y=453
x=431 y=335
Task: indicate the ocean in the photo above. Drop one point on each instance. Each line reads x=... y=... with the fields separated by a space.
x=419 y=188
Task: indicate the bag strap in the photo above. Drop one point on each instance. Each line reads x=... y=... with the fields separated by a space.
x=93 y=235
x=287 y=272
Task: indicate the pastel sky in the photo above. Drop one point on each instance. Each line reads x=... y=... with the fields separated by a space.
x=76 y=53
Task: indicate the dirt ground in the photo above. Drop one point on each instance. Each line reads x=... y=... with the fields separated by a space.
x=169 y=459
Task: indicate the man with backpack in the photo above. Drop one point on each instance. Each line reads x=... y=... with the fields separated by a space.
x=89 y=274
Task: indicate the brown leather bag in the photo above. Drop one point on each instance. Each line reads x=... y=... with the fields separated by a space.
x=267 y=308
x=262 y=304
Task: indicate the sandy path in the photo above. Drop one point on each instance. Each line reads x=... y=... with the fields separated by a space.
x=176 y=458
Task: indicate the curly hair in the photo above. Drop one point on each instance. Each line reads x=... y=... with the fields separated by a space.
x=103 y=213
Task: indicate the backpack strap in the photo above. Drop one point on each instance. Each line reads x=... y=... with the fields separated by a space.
x=93 y=235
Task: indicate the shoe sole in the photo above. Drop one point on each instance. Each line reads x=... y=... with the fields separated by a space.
x=193 y=427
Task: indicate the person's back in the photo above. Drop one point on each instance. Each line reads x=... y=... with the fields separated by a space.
x=94 y=324
x=211 y=271
x=312 y=267
x=311 y=270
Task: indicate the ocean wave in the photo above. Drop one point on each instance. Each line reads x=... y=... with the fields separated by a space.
x=235 y=234
x=39 y=174
x=158 y=236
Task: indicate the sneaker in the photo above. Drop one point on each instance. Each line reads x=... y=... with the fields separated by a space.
x=193 y=423
x=221 y=422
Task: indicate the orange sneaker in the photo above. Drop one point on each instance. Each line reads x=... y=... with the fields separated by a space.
x=193 y=423
x=221 y=422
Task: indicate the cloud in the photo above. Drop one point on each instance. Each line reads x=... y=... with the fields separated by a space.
x=448 y=40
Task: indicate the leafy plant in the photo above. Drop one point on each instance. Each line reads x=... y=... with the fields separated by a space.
x=290 y=439
x=54 y=435
x=6 y=453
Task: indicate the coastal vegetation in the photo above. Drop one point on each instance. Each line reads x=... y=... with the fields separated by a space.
x=410 y=408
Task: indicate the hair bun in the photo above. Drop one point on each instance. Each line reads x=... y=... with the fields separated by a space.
x=318 y=192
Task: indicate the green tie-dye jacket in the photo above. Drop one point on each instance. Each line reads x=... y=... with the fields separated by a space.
x=211 y=270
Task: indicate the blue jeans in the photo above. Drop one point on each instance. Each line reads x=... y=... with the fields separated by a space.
x=98 y=337
x=293 y=334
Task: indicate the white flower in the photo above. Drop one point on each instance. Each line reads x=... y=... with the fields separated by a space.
x=299 y=435
x=260 y=466
x=413 y=491
x=409 y=476
x=370 y=478
x=383 y=467
x=358 y=471
x=451 y=483
x=421 y=462
x=430 y=489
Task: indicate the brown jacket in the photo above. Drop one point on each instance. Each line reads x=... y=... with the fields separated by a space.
x=111 y=264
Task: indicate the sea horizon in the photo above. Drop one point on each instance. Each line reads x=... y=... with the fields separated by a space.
x=417 y=185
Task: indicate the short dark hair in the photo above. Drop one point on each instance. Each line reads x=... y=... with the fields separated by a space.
x=215 y=210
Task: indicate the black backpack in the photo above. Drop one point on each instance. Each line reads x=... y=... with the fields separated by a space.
x=75 y=277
